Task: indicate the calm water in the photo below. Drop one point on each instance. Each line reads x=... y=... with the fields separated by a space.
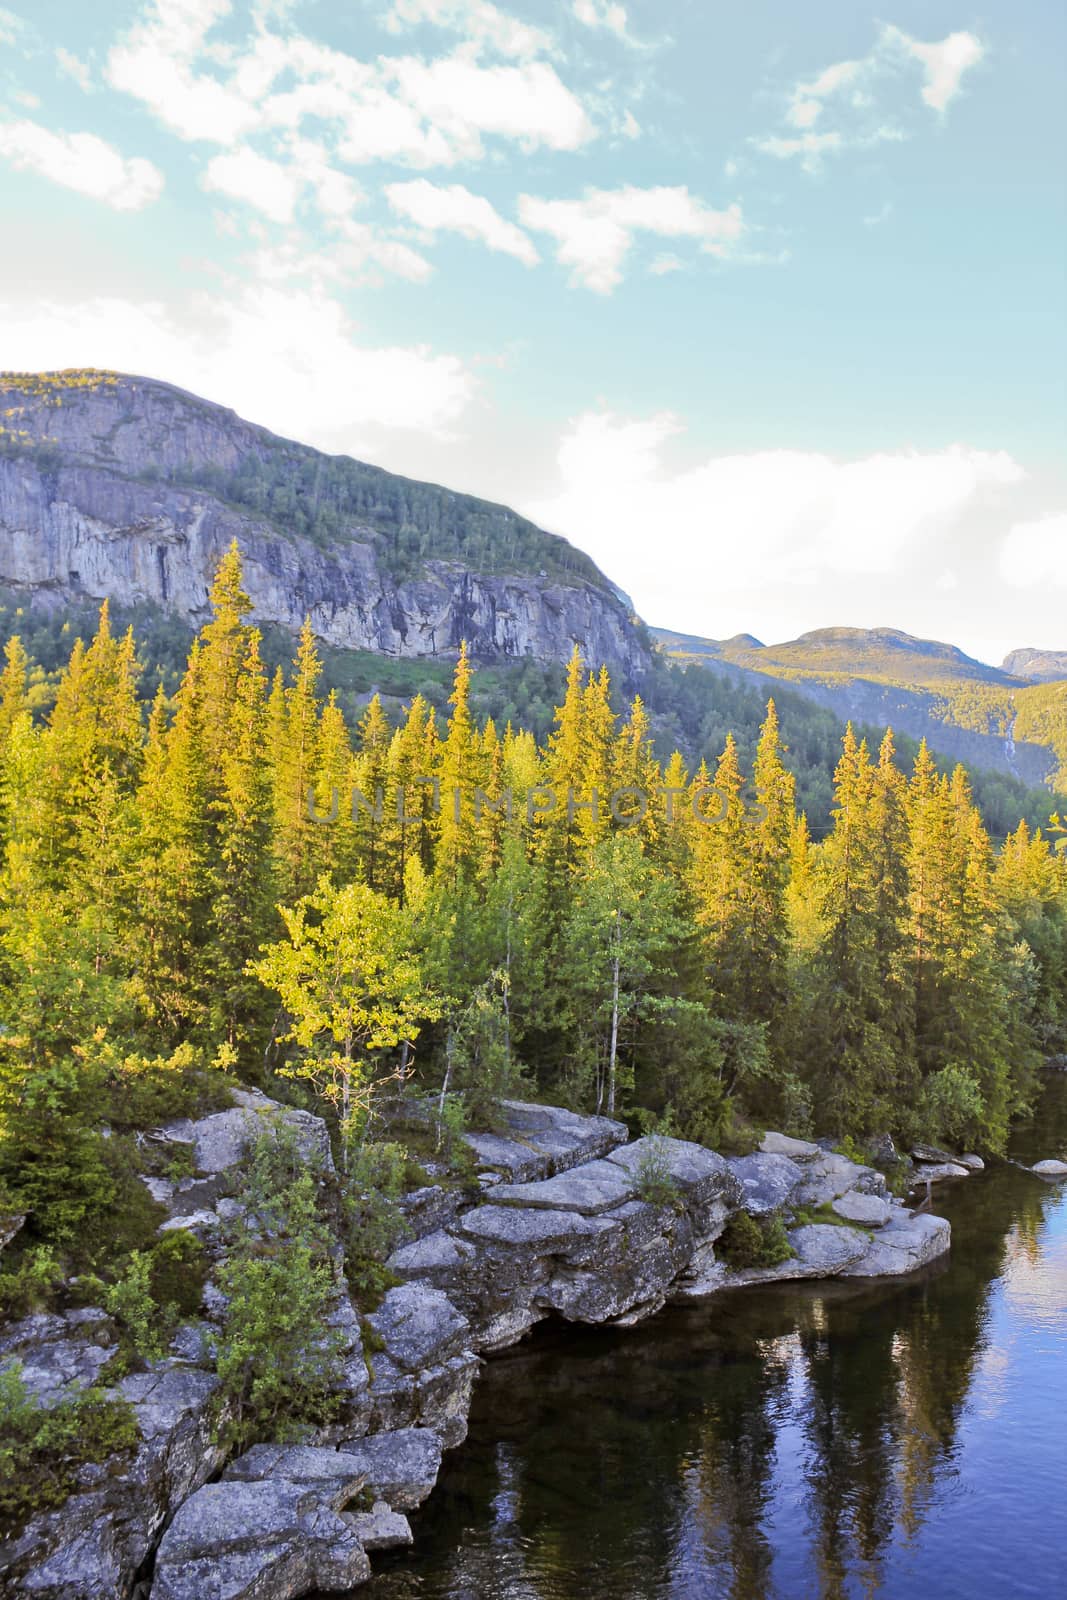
x=785 y=1443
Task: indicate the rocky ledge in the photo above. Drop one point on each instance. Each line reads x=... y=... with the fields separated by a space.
x=568 y=1218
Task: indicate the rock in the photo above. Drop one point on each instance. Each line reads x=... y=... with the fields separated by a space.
x=161 y=1191
x=429 y=1208
x=908 y=1242
x=92 y=1545
x=937 y=1172
x=821 y=1250
x=882 y=1149
x=419 y=1326
x=1050 y=1169
x=527 y=1228
x=870 y=1210
x=333 y=1474
x=257 y=1541
x=779 y=1144
x=59 y=1353
x=381 y=1528
x=544 y=1140
x=220 y=1142
x=400 y=1467
x=973 y=1163
x=590 y=1190
x=833 y=1175
x=199 y=1223
x=767 y=1181
x=931 y=1153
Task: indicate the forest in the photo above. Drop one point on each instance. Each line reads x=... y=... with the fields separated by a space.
x=240 y=884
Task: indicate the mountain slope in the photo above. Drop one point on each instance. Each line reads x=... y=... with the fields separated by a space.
x=129 y=488
x=1037 y=666
x=966 y=710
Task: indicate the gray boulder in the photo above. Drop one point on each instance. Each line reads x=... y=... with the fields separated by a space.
x=1050 y=1169
x=400 y=1467
x=908 y=1242
x=592 y=1189
x=938 y=1171
x=221 y=1141
x=767 y=1181
x=380 y=1528
x=973 y=1163
x=869 y=1210
x=419 y=1326
x=831 y=1176
x=240 y=1540
x=779 y=1144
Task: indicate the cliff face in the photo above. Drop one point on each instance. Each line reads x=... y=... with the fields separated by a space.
x=98 y=498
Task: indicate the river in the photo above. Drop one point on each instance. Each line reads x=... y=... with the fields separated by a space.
x=904 y=1440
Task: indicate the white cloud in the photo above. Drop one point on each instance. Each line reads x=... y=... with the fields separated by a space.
x=83 y=162
x=603 y=14
x=10 y=26
x=245 y=175
x=453 y=208
x=594 y=235
x=874 y=219
x=736 y=522
x=1036 y=553
x=74 y=67
x=462 y=101
x=477 y=20
x=288 y=359
x=943 y=63
x=852 y=89
x=419 y=112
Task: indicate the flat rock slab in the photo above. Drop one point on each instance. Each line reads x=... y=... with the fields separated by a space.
x=779 y=1144
x=562 y=1137
x=590 y=1189
x=401 y=1467
x=526 y=1228
x=1050 y=1169
x=904 y=1246
x=256 y=1541
x=869 y=1210
x=938 y=1171
x=419 y=1326
x=973 y=1163
x=931 y=1153
x=689 y=1166
x=335 y=1476
x=767 y=1181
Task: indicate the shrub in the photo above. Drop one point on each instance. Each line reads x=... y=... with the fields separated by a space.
x=372 y=1223
x=654 y=1181
x=749 y=1241
x=953 y=1107
x=32 y=1284
x=277 y=1359
x=41 y=1450
x=154 y=1291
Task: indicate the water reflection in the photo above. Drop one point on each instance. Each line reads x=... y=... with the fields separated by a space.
x=823 y=1441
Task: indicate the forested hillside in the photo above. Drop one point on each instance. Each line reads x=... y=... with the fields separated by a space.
x=967 y=710
x=623 y=932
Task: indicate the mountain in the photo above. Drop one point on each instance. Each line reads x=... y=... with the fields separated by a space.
x=1037 y=666
x=986 y=716
x=126 y=487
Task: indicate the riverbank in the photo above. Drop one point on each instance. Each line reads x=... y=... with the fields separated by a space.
x=567 y=1218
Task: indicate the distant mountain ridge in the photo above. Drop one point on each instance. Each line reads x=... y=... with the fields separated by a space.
x=988 y=716
x=1037 y=666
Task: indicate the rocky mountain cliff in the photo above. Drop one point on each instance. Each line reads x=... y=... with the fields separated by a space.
x=1037 y=666
x=129 y=488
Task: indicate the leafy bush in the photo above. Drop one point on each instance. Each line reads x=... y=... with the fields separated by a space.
x=277 y=1359
x=31 y=1285
x=154 y=1291
x=41 y=1450
x=953 y=1106
x=748 y=1241
x=372 y=1221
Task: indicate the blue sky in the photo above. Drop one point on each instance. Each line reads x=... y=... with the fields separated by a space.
x=764 y=306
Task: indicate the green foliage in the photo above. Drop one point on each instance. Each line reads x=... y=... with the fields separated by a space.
x=953 y=1107
x=372 y=1223
x=749 y=1241
x=42 y=1450
x=152 y=1292
x=277 y=1357
x=32 y=1284
x=653 y=1174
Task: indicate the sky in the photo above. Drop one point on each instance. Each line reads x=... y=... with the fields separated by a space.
x=764 y=306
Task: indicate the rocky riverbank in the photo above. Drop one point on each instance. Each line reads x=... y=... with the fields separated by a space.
x=568 y=1218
